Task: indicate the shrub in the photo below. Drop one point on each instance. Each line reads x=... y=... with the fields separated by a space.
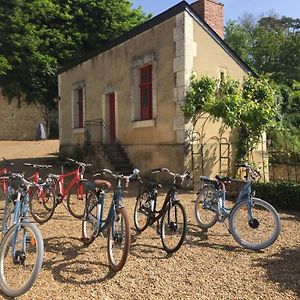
x=282 y=195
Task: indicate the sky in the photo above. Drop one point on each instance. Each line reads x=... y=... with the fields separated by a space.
x=233 y=9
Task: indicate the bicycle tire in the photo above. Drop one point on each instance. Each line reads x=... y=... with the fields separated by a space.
x=206 y=198
x=115 y=238
x=10 y=277
x=238 y=212
x=90 y=219
x=42 y=208
x=142 y=209
x=2 y=198
x=7 y=219
x=171 y=226
x=75 y=200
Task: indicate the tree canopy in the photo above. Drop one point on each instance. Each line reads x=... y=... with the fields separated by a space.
x=271 y=46
x=37 y=37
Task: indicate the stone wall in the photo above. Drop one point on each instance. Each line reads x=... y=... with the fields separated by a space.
x=19 y=122
x=288 y=172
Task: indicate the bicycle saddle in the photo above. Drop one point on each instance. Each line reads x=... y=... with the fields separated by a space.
x=224 y=179
x=102 y=184
x=152 y=185
x=207 y=180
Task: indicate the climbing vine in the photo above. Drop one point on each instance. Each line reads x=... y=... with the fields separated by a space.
x=251 y=107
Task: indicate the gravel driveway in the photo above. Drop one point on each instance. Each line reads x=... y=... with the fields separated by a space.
x=208 y=265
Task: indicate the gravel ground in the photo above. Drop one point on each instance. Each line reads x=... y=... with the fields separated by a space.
x=207 y=266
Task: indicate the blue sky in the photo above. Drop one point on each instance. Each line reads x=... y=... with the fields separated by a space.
x=233 y=9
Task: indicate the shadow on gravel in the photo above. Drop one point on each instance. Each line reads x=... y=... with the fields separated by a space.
x=198 y=237
x=290 y=215
x=70 y=268
x=2 y=295
x=283 y=268
x=142 y=250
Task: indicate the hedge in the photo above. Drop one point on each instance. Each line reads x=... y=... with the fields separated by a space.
x=282 y=195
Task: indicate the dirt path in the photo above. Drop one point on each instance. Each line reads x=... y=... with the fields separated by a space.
x=28 y=149
x=207 y=266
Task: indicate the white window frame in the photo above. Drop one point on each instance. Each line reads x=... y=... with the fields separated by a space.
x=137 y=64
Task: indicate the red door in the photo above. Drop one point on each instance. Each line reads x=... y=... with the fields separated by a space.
x=112 y=118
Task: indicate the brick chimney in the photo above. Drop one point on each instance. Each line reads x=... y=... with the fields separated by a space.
x=212 y=12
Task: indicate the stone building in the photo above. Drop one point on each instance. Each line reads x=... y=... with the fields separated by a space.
x=125 y=99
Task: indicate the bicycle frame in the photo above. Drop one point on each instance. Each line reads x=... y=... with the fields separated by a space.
x=245 y=193
x=19 y=214
x=61 y=183
x=3 y=182
x=170 y=197
x=115 y=203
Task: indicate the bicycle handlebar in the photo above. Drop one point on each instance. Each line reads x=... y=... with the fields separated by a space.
x=185 y=175
x=135 y=173
x=36 y=166
x=14 y=175
x=250 y=169
x=7 y=162
x=79 y=163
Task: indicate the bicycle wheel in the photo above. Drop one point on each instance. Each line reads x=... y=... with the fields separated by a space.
x=42 y=205
x=142 y=210
x=2 y=199
x=7 y=220
x=259 y=233
x=173 y=227
x=205 y=207
x=75 y=200
x=90 y=219
x=21 y=258
x=118 y=241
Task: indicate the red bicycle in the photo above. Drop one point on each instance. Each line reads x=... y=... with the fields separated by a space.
x=3 y=182
x=42 y=200
x=74 y=192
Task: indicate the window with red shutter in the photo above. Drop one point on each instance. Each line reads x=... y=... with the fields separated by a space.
x=146 y=92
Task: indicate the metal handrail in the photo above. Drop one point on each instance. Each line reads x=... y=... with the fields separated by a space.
x=104 y=128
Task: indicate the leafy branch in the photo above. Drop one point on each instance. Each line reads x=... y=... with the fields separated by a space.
x=251 y=107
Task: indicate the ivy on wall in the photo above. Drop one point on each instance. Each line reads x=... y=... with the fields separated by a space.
x=251 y=108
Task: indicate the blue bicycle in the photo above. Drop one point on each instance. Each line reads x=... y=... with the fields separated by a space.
x=253 y=222
x=22 y=247
x=116 y=222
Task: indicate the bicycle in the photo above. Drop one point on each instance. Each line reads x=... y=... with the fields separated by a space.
x=250 y=219
x=3 y=182
x=73 y=193
x=116 y=222
x=171 y=218
x=22 y=247
x=42 y=200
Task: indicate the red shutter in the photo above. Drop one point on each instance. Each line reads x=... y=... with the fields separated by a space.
x=80 y=108
x=146 y=92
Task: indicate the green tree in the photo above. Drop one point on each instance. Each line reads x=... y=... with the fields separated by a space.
x=271 y=46
x=40 y=36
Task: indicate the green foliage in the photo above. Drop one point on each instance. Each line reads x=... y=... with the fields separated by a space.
x=251 y=108
x=40 y=36
x=271 y=46
x=282 y=195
